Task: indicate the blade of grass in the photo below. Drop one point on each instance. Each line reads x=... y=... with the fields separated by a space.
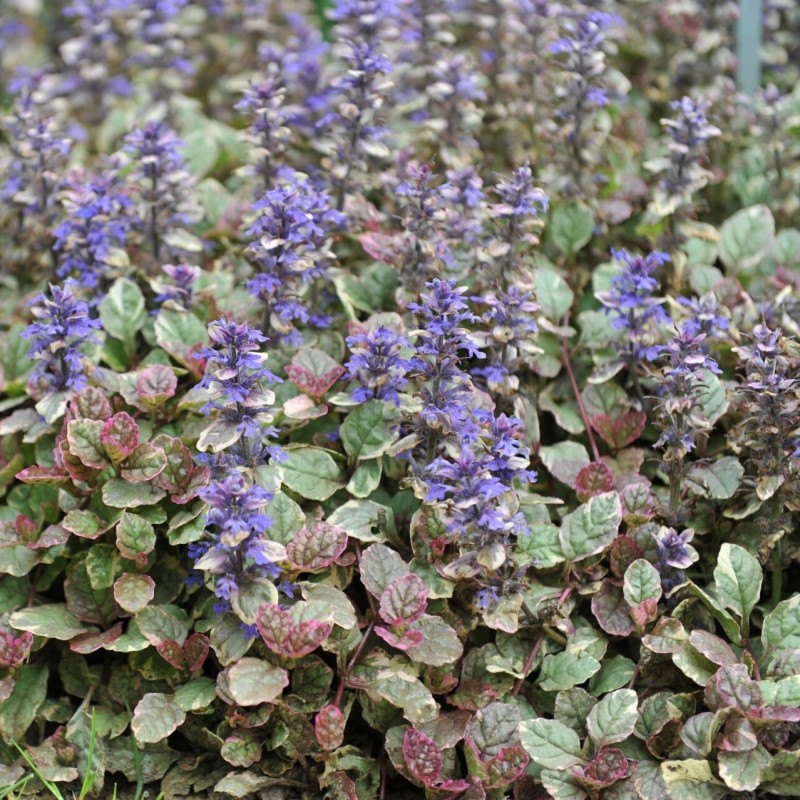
x=49 y=785
x=90 y=776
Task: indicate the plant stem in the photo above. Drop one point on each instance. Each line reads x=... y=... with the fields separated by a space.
x=577 y=394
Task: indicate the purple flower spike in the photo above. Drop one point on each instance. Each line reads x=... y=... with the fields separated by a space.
x=378 y=366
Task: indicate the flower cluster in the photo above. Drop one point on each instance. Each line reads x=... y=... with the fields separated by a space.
x=294 y=220
x=633 y=305
x=180 y=290
x=162 y=184
x=674 y=554
x=92 y=236
x=61 y=328
x=378 y=365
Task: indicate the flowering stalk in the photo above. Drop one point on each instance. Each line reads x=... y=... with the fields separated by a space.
x=377 y=364
x=62 y=326
x=294 y=220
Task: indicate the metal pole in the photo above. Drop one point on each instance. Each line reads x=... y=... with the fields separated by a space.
x=748 y=44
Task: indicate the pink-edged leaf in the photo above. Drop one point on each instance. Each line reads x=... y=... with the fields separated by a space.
x=90 y=403
x=315 y=386
x=287 y=635
x=622 y=431
x=190 y=656
x=644 y=612
x=85 y=524
x=777 y=714
x=505 y=767
x=402 y=639
x=404 y=600
x=624 y=551
x=715 y=649
x=179 y=466
x=72 y=464
x=144 y=463
x=84 y=438
x=607 y=767
x=26 y=528
x=120 y=436
x=44 y=475
x=133 y=591
x=155 y=385
x=90 y=642
x=593 y=479
x=329 y=727
x=313 y=372
x=304 y=407
x=422 y=756
x=51 y=536
x=737 y=688
x=316 y=547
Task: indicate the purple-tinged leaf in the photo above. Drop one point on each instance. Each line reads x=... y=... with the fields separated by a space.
x=402 y=639
x=84 y=438
x=506 y=767
x=404 y=600
x=43 y=475
x=190 y=656
x=316 y=546
x=716 y=650
x=90 y=642
x=155 y=717
x=637 y=502
x=14 y=650
x=155 y=385
x=144 y=463
x=607 y=767
x=422 y=756
x=77 y=470
x=120 y=436
x=341 y=786
x=329 y=727
x=90 y=403
x=611 y=610
x=624 y=551
x=179 y=466
x=286 y=634
x=737 y=689
x=622 y=431
x=593 y=479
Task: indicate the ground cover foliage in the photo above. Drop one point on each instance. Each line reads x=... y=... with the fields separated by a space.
x=399 y=398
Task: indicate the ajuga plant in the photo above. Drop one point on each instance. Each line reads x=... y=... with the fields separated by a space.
x=398 y=399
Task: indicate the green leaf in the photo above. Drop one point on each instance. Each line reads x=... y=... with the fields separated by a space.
x=133 y=592
x=364 y=520
x=779 y=777
x=565 y=460
x=118 y=493
x=242 y=784
x=642 y=582
x=742 y=771
x=84 y=523
x=163 y=623
x=180 y=333
x=541 y=547
x=615 y=673
x=562 y=785
x=252 y=681
x=366 y=478
x=155 y=717
x=135 y=536
x=553 y=294
x=19 y=709
x=407 y=693
x=613 y=718
x=592 y=527
x=550 y=744
x=122 y=311
x=738 y=578
x=728 y=623
x=719 y=480
x=287 y=518
x=745 y=238
x=571 y=227
x=380 y=565
x=494 y=728
x=364 y=433
x=312 y=473
x=102 y=565
x=691 y=779
x=782 y=626
x=565 y=670
x=196 y=695
x=52 y=621
x=440 y=644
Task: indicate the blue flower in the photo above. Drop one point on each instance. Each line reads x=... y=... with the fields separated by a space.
x=378 y=365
